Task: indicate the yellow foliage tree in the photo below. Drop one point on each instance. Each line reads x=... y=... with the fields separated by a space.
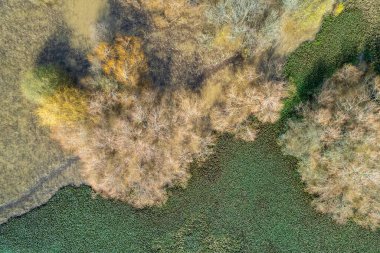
x=124 y=60
x=302 y=23
x=339 y=8
x=66 y=106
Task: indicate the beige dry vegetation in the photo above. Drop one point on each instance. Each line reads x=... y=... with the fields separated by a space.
x=145 y=137
x=337 y=142
x=376 y=88
x=137 y=136
x=182 y=40
x=261 y=24
x=234 y=95
x=135 y=153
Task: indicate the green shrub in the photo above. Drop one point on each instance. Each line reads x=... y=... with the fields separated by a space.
x=42 y=82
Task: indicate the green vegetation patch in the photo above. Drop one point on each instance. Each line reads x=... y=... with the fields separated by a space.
x=42 y=82
x=247 y=198
x=339 y=41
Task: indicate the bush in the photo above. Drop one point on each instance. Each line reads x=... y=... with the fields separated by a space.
x=337 y=144
x=64 y=107
x=145 y=136
x=265 y=24
x=42 y=82
x=254 y=22
x=124 y=60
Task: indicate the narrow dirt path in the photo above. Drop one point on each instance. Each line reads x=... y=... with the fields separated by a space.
x=36 y=188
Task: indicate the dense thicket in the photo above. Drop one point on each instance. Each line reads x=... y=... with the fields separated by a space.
x=142 y=138
x=337 y=142
x=156 y=99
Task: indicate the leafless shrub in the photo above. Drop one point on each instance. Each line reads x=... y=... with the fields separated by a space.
x=144 y=139
x=337 y=144
x=146 y=136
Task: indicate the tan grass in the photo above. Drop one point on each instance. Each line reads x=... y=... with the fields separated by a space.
x=27 y=152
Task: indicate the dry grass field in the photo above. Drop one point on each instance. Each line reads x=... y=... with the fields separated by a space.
x=32 y=166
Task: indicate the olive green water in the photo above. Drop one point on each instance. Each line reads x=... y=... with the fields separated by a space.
x=81 y=16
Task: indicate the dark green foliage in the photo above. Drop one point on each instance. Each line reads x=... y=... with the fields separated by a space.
x=339 y=41
x=42 y=82
x=372 y=52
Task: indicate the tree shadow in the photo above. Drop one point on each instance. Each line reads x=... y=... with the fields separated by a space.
x=270 y=65
x=313 y=81
x=122 y=18
x=57 y=51
x=323 y=70
x=159 y=64
x=129 y=19
x=372 y=52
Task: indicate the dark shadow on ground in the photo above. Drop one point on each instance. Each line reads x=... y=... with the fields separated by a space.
x=270 y=65
x=128 y=19
x=122 y=18
x=57 y=51
x=372 y=52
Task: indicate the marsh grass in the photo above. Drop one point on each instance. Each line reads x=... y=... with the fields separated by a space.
x=27 y=152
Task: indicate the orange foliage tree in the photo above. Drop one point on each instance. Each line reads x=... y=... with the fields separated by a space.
x=124 y=60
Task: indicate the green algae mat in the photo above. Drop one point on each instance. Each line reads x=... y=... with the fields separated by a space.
x=247 y=198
